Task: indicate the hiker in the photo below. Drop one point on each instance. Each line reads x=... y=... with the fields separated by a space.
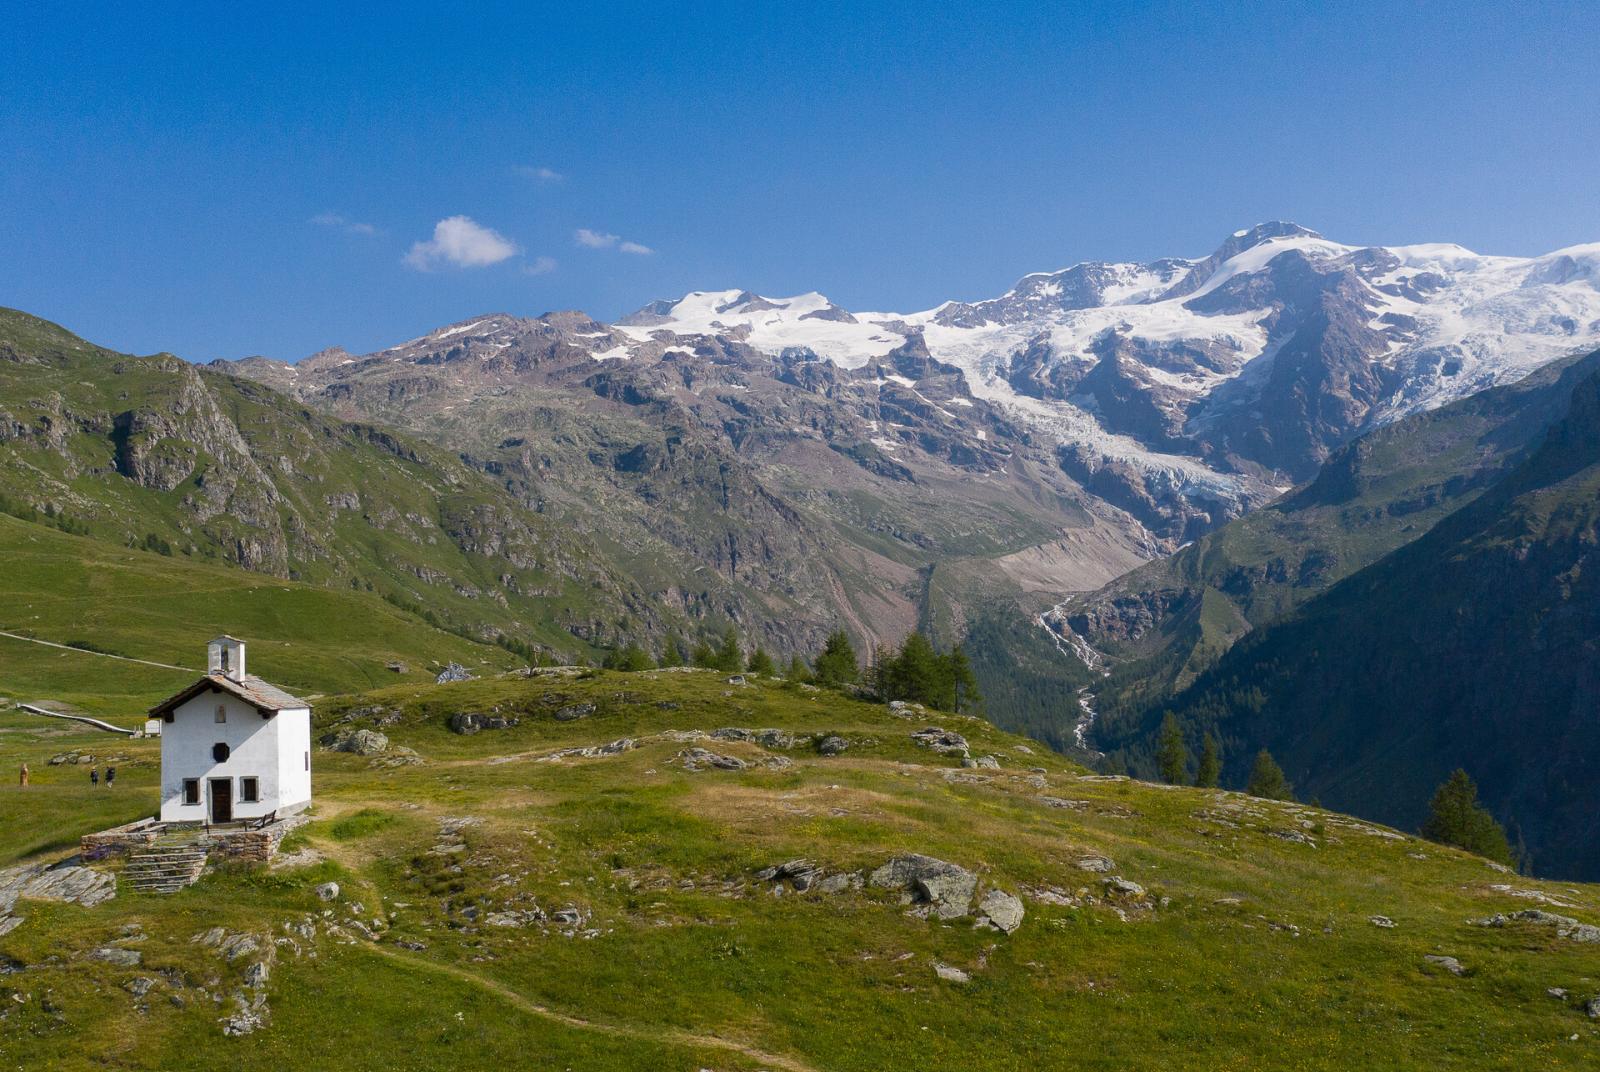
x=94 y=776
x=111 y=776
x=24 y=776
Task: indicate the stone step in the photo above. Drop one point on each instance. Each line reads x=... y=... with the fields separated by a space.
x=167 y=869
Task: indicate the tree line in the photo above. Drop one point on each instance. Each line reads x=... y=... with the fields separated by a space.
x=916 y=672
x=1455 y=816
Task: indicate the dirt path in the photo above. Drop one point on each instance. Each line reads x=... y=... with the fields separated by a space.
x=682 y=1038
x=102 y=654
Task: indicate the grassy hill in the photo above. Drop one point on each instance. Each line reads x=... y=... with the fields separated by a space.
x=86 y=593
x=503 y=905
x=194 y=463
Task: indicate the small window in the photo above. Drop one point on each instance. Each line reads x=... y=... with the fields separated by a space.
x=249 y=790
x=222 y=713
x=308 y=761
x=222 y=662
x=191 y=790
x=219 y=752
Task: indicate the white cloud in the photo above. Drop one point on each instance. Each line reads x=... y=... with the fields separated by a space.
x=343 y=223
x=462 y=242
x=540 y=173
x=594 y=239
x=540 y=266
x=601 y=240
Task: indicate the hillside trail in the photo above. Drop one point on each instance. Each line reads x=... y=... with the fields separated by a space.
x=650 y=1034
x=102 y=654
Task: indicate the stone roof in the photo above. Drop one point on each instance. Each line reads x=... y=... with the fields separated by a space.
x=261 y=695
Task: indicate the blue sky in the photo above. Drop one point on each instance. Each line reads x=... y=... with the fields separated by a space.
x=213 y=184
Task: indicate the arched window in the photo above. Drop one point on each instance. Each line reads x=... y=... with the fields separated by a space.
x=222 y=713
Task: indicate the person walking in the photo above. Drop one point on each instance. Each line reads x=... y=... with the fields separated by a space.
x=24 y=776
x=94 y=776
x=111 y=776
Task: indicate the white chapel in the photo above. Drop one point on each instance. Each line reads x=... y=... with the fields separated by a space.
x=233 y=747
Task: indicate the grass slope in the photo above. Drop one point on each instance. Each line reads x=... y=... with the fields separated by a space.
x=153 y=451
x=76 y=590
x=1250 y=951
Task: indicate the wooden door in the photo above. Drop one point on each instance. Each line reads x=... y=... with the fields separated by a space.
x=222 y=800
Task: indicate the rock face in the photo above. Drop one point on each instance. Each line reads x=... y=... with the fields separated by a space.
x=945 y=888
x=67 y=883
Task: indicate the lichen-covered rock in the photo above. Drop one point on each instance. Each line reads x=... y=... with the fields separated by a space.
x=946 y=888
x=573 y=712
x=467 y=723
x=1001 y=910
x=700 y=759
x=356 y=742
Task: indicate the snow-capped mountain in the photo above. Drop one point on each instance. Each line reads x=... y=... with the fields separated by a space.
x=1272 y=350
x=1085 y=420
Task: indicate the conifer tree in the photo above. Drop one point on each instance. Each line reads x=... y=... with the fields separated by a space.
x=761 y=663
x=837 y=665
x=1456 y=818
x=1267 y=780
x=1210 y=769
x=1172 y=756
x=728 y=657
x=672 y=653
x=704 y=656
x=797 y=671
x=965 y=697
x=631 y=658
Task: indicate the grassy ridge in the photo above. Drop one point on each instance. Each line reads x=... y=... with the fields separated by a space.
x=75 y=590
x=1251 y=951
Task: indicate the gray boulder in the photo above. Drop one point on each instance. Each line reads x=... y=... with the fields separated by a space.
x=573 y=712
x=1001 y=910
x=1449 y=964
x=950 y=974
x=139 y=985
x=467 y=723
x=122 y=958
x=1122 y=887
x=357 y=742
x=832 y=745
x=944 y=742
x=327 y=891
x=701 y=759
x=1097 y=864
x=943 y=886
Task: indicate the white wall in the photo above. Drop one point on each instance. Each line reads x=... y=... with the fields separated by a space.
x=272 y=750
